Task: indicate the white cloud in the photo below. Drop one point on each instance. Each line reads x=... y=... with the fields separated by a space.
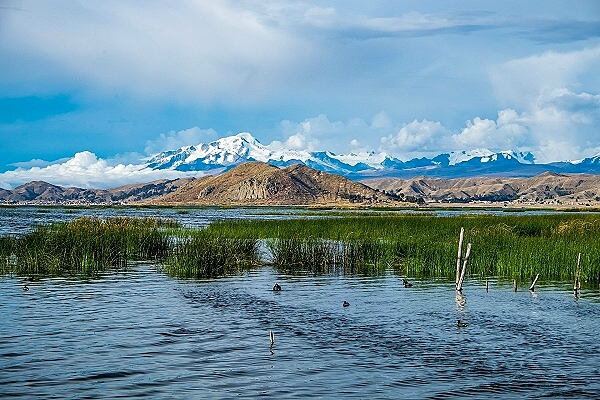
x=86 y=170
x=175 y=140
x=508 y=132
x=186 y=50
x=520 y=82
x=319 y=133
x=424 y=136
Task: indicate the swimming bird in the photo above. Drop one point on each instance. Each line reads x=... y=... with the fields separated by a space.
x=406 y=283
x=25 y=288
x=277 y=288
x=461 y=324
x=346 y=304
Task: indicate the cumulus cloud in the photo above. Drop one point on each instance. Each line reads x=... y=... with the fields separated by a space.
x=561 y=120
x=520 y=82
x=320 y=133
x=424 y=136
x=175 y=140
x=508 y=132
x=86 y=170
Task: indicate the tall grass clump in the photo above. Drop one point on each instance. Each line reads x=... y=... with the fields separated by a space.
x=324 y=256
x=505 y=246
x=303 y=255
x=86 y=246
x=204 y=256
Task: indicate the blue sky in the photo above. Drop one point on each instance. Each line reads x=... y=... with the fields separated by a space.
x=115 y=81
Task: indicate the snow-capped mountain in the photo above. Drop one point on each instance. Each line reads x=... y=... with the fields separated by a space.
x=233 y=150
x=230 y=151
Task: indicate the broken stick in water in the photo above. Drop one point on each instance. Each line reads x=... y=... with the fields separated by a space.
x=458 y=260
x=577 y=284
x=515 y=284
x=271 y=338
x=532 y=287
x=464 y=269
x=486 y=286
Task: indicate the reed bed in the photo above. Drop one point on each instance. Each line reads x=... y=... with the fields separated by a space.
x=508 y=246
x=511 y=246
x=86 y=246
x=321 y=256
x=203 y=256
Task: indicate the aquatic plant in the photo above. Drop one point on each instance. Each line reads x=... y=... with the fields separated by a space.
x=86 y=245
x=204 y=256
x=507 y=246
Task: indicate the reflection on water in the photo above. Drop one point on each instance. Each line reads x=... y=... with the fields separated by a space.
x=142 y=334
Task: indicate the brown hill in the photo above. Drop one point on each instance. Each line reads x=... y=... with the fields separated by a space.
x=545 y=189
x=257 y=183
x=43 y=193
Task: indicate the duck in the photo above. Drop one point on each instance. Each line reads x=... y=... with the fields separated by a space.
x=461 y=324
x=25 y=288
x=406 y=283
x=277 y=288
x=346 y=304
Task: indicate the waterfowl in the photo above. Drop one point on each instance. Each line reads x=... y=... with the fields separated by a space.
x=346 y=304
x=406 y=283
x=277 y=288
x=461 y=324
x=25 y=288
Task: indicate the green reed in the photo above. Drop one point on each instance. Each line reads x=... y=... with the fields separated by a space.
x=204 y=256
x=85 y=246
x=506 y=246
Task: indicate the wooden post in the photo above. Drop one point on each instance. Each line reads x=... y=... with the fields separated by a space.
x=464 y=268
x=577 y=284
x=532 y=287
x=271 y=338
x=515 y=284
x=486 y=286
x=459 y=259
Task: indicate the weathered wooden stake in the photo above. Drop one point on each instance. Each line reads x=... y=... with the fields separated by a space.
x=577 y=284
x=515 y=284
x=459 y=259
x=532 y=287
x=486 y=286
x=271 y=338
x=464 y=268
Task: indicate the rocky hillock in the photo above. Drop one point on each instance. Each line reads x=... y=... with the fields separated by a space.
x=258 y=183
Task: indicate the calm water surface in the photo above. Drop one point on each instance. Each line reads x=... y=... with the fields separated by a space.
x=143 y=334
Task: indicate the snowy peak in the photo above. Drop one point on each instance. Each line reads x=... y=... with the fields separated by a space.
x=485 y=155
x=225 y=153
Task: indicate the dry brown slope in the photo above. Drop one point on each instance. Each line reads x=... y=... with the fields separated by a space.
x=541 y=188
x=257 y=183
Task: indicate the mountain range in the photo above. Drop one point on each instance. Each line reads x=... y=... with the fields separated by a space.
x=260 y=184
x=43 y=193
x=225 y=153
x=548 y=189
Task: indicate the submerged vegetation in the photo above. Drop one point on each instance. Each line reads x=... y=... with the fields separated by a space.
x=508 y=246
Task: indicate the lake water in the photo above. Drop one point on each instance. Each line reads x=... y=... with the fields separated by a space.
x=141 y=333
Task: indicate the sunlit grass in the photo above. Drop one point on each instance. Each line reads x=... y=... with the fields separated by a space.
x=511 y=246
x=85 y=246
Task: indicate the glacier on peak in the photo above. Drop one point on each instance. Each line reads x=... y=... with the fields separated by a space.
x=226 y=152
